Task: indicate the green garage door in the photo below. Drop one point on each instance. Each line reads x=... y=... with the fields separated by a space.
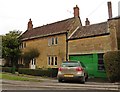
x=91 y=63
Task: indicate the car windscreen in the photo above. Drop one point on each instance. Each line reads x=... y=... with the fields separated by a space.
x=70 y=64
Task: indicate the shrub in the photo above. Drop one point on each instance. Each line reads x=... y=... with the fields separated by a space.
x=7 y=69
x=50 y=72
x=112 y=64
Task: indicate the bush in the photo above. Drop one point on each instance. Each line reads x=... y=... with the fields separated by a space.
x=7 y=69
x=112 y=64
x=50 y=72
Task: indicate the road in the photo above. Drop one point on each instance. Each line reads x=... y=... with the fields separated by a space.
x=51 y=85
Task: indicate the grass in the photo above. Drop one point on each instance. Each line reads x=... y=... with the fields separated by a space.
x=9 y=76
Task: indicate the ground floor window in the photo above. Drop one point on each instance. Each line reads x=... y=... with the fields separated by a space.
x=33 y=61
x=101 y=66
x=52 y=60
x=20 y=61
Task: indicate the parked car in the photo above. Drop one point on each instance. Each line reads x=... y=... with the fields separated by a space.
x=72 y=70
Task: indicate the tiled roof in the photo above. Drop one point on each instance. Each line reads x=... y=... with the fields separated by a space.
x=49 y=29
x=90 y=30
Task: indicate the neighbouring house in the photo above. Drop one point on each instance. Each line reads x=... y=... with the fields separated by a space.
x=50 y=40
x=89 y=43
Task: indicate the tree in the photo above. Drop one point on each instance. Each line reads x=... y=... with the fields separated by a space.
x=29 y=55
x=10 y=48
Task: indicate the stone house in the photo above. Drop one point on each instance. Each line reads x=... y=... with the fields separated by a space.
x=89 y=43
x=50 y=40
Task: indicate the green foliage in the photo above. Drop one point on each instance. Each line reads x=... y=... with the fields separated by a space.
x=112 y=65
x=10 y=47
x=7 y=69
x=51 y=72
x=30 y=54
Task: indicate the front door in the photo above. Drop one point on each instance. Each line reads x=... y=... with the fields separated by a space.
x=33 y=64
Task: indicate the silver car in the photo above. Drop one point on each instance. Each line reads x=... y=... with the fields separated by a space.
x=72 y=70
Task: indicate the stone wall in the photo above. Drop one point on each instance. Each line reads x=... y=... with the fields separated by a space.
x=45 y=50
x=98 y=44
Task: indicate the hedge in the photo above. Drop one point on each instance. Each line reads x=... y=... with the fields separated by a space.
x=112 y=65
x=50 y=72
x=7 y=69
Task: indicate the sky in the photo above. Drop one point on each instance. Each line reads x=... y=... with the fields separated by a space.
x=15 y=14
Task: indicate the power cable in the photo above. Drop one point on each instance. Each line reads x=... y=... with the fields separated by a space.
x=97 y=8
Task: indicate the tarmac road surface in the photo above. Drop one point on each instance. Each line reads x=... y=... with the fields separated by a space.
x=52 y=85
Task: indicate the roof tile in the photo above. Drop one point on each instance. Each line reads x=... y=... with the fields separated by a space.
x=91 y=30
x=53 y=28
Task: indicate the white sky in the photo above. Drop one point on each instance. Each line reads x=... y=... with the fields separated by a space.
x=15 y=14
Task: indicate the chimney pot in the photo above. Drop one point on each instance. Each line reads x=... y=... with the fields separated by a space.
x=87 y=22
x=76 y=11
x=109 y=9
x=30 y=25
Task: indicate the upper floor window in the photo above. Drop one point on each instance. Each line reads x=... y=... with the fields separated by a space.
x=56 y=40
x=52 y=41
x=23 y=45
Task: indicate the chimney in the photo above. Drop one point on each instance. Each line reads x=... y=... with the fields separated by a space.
x=76 y=11
x=87 y=22
x=109 y=9
x=30 y=25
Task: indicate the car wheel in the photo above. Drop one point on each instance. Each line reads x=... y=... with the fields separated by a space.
x=86 y=77
x=59 y=80
x=83 y=80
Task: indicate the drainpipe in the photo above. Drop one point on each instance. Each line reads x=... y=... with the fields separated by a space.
x=67 y=46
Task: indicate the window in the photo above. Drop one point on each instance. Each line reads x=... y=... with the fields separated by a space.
x=20 y=61
x=56 y=40
x=33 y=61
x=52 y=41
x=23 y=45
x=49 y=42
x=48 y=60
x=100 y=62
x=52 y=60
x=55 y=60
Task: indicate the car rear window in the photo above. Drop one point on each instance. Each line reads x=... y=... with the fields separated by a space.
x=70 y=64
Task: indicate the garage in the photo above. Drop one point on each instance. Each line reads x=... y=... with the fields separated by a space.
x=93 y=62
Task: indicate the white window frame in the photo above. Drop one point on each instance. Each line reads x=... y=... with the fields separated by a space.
x=49 y=42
